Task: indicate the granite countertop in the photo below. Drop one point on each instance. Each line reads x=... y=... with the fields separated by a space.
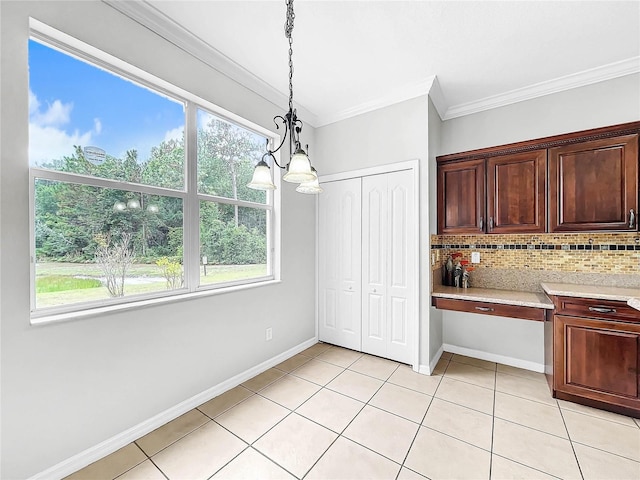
x=490 y=295
x=598 y=292
x=634 y=302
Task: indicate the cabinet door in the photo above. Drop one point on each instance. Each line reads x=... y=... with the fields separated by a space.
x=594 y=185
x=339 y=250
x=597 y=359
x=516 y=196
x=461 y=197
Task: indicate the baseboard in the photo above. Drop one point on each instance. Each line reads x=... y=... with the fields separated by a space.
x=427 y=369
x=90 y=455
x=492 y=357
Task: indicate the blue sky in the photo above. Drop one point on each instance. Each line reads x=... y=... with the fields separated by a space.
x=74 y=103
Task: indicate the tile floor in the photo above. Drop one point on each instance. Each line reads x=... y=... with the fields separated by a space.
x=335 y=413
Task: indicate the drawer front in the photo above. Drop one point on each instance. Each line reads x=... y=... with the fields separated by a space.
x=602 y=309
x=486 y=308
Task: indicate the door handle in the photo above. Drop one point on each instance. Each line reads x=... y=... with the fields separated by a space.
x=484 y=309
x=632 y=219
x=490 y=223
x=602 y=309
x=482 y=224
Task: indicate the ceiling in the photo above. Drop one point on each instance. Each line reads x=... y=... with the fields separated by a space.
x=355 y=56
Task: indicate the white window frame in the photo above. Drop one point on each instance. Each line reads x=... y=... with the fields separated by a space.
x=191 y=199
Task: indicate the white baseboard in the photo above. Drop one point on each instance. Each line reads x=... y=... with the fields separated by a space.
x=90 y=455
x=427 y=369
x=492 y=357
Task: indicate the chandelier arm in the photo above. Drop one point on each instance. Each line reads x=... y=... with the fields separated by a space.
x=284 y=138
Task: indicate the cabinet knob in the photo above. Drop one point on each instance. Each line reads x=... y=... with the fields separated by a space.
x=632 y=219
x=374 y=290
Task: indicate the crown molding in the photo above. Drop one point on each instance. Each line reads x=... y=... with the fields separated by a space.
x=151 y=18
x=568 y=82
x=407 y=92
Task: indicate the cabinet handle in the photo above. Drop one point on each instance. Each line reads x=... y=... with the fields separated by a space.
x=482 y=224
x=632 y=219
x=602 y=309
x=484 y=309
x=490 y=223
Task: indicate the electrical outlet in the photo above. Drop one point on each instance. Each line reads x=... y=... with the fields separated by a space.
x=475 y=257
x=433 y=259
x=268 y=335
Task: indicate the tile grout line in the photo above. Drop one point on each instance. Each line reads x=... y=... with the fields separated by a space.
x=493 y=419
x=575 y=455
x=340 y=435
x=420 y=425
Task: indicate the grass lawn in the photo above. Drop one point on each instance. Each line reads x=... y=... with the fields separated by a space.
x=58 y=283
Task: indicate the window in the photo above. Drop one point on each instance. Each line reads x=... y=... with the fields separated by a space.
x=138 y=189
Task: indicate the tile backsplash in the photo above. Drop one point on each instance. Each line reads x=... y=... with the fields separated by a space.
x=524 y=260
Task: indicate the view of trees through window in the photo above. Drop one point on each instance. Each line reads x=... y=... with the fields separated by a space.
x=110 y=193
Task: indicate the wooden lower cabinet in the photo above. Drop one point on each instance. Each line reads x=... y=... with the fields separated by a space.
x=596 y=361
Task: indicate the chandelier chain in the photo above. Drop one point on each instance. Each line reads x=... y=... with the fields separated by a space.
x=288 y=32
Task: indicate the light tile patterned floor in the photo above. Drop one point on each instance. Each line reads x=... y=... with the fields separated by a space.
x=331 y=413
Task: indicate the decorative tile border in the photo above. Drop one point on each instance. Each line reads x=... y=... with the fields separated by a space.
x=592 y=253
x=543 y=246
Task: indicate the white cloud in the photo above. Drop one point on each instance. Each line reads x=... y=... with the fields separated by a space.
x=174 y=134
x=34 y=104
x=97 y=125
x=47 y=141
x=50 y=143
x=56 y=114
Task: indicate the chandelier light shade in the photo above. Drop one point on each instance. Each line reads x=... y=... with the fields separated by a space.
x=261 y=179
x=299 y=169
x=311 y=187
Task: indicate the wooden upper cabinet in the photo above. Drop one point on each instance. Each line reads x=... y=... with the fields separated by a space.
x=594 y=185
x=516 y=193
x=461 y=197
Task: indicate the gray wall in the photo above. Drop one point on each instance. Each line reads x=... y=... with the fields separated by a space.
x=435 y=326
x=69 y=386
x=388 y=135
x=598 y=105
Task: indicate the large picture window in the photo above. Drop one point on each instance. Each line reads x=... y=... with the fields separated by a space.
x=137 y=191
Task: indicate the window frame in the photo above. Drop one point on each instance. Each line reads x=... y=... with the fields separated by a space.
x=189 y=194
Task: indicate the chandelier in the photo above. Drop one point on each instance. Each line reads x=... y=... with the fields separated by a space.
x=299 y=169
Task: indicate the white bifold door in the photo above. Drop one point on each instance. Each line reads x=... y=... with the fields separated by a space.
x=368 y=263
x=339 y=255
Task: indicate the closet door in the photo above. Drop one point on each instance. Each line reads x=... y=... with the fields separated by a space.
x=374 y=264
x=389 y=265
x=340 y=254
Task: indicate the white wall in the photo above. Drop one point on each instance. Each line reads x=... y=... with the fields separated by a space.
x=598 y=105
x=388 y=135
x=70 y=386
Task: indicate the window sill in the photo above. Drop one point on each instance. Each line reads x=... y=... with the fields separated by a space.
x=47 y=319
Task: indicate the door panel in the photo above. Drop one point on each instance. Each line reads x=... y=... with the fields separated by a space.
x=403 y=262
x=374 y=254
x=339 y=250
x=389 y=263
x=399 y=321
